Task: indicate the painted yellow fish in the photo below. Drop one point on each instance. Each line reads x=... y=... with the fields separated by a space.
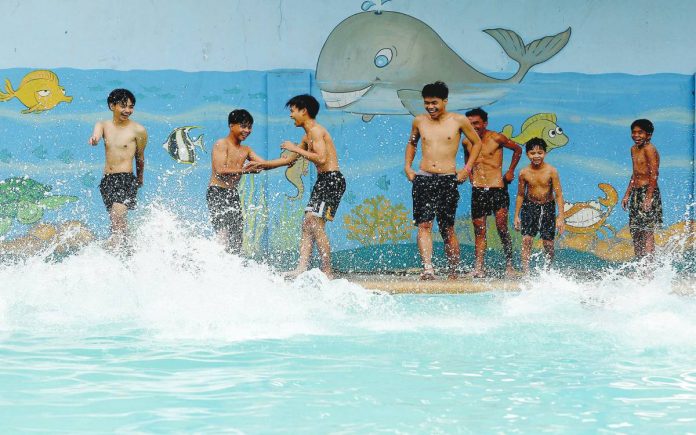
x=541 y=125
x=295 y=173
x=38 y=91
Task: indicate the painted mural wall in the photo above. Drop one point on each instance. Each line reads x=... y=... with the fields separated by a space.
x=574 y=74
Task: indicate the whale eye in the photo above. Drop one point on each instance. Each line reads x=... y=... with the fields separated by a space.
x=559 y=131
x=44 y=93
x=552 y=133
x=383 y=57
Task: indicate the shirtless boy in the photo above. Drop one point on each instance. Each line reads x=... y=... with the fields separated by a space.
x=124 y=140
x=435 y=185
x=317 y=147
x=538 y=194
x=642 y=198
x=489 y=195
x=228 y=164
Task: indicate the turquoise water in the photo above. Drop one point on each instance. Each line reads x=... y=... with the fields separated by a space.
x=181 y=337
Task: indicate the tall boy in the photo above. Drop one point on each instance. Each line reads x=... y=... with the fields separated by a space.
x=124 y=140
x=538 y=195
x=228 y=164
x=317 y=147
x=435 y=185
x=642 y=196
x=489 y=193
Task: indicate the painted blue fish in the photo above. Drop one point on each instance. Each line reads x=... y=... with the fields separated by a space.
x=377 y=63
x=181 y=147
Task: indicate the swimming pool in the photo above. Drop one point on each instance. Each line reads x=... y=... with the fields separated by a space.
x=181 y=338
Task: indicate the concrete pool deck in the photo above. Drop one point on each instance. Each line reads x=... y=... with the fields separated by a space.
x=411 y=283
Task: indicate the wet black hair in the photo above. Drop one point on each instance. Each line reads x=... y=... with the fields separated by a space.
x=240 y=116
x=535 y=142
x=304 y=101
x=120 y=96
x=643 y=124
x=438 y=90
x=478 y=112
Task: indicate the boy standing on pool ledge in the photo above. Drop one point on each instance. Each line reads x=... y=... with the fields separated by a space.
x=538 y=194
x=435 y=185
x=317 y=147
x=642 y=198
x=229 y=157
x=124 y=140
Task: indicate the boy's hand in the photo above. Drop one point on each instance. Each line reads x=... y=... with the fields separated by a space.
x=560 y=224
x=410 y=174
x=254 y=167
x=93 y=140
x=140 y=183
x=508 y=177
x=287 y=145
x=624 y=202
x=518 y=223
x=462 y=175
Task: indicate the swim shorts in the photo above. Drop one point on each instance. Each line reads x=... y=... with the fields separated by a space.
x=538 y=218
x=326 y=195
x=641 y=220
x=435 y=197
x=225 y=210
x=488 y=200
x=121 y=188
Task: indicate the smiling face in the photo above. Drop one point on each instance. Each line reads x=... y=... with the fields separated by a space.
x=536 y=156
x=298 y=115
x=640 y=137
x=241 y=131
x=122 y=110
x=479 y=124
x=434 y=106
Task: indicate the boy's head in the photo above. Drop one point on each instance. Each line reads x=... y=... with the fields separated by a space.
x=478 y=119
x=121 y=97
x=535 y=142
x=241 y=117
x=304 y=102
x=435 y=98
x=641 y=131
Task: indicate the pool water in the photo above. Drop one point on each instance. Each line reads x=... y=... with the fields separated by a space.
x=181 y=337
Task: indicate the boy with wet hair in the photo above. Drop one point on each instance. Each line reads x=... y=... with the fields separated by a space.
x=124 y=141
x=642 y=198
x=435 y=187
x=318 y=147
x=538 y=195
x=229 y=162
x=489 y=193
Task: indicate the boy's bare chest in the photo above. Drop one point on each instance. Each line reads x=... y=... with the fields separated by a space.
x=119 y=139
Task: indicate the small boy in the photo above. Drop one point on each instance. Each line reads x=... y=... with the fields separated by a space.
x=317 y=147
x=538 y=194
x=228 y=165
x=642 y=198
x=124 y=141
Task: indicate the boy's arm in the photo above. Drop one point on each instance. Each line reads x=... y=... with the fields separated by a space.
x=653 y=172
x=518 y=201
x=284 y=160
x=318 y=155
x=140 y=144
x=516 y=154
x=97 y=134
x=411 y=147
x=476 y=145
x=558 y=195
x=624 y=201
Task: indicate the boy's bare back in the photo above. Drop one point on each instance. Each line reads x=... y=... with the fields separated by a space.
x=318 y=140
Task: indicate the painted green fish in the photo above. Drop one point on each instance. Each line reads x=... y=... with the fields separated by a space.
x=542 y=125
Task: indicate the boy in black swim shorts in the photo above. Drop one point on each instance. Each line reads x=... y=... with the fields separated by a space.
x=316 y=146
x=642 y=198
x=538 y=195
x=124 y=142
x=229 y=162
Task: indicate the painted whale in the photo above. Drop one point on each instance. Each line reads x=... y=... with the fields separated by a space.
x=377 y=63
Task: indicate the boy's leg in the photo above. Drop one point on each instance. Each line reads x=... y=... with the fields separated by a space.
x=479 y=245
x=305 y=246
x=323 y=245
x=119 y=224
x=501 y=223
x=425 y=248
x=452 y=250
x=549 y=251
x=638 y=243
x=526 y=252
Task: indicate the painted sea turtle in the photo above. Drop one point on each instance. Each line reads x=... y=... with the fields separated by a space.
x=25 y=199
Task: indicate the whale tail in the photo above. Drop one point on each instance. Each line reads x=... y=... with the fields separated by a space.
x=534 y=53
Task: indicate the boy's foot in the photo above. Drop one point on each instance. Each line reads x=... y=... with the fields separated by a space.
x=478 y=274
x=292 y=274
x=428 y=274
